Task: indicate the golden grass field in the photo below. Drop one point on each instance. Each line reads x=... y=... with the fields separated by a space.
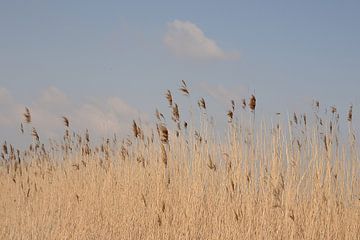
x=293 y=180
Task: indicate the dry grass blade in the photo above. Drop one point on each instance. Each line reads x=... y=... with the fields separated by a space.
x=143 y=199
x=164 y=155
x=35 y=134
x=295 y=119
x=211 y=164
x=325 y=143
x=4 y=148
x=27 y=115
x=159 y=220
x=159 y=115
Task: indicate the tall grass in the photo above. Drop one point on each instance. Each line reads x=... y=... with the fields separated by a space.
x=297 y=180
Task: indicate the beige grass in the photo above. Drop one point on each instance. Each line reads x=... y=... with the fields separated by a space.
x=259 y=182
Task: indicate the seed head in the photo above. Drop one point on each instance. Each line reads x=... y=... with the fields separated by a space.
x=350 y=113
x=252 y=103
x=183 y=88
x=295 y=119
x=66 y=121
x=202 y=103
x=230 y=114
x=175 y=113
x=35 y=134
x=27 y=115
x=169 y=98
x=159 y=115
x=136 y=129
x=163 y=133
x=243 y=103
x=333 y=109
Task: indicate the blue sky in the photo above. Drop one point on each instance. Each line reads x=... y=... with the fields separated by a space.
x=113 y=60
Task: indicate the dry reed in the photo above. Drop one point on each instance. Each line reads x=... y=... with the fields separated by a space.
x=302 y=183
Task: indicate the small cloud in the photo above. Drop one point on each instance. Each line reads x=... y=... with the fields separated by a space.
x=99 y=121
x=102 y=117
x=53 y=96
x=5 y=96
x=8 y=107
x=106 y=116
x=225 y=95
x=121 y=107
x=185 y=39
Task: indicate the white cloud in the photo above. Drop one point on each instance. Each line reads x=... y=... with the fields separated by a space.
x=223 y=94
x=5 y=96
x=53 y=96
x=102 y=117
x=185 y=39
x=106 y=116
x=8 y=107
x=121 y=107
x=102 y=121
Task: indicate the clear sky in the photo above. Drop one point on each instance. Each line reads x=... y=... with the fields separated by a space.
x=105 y=62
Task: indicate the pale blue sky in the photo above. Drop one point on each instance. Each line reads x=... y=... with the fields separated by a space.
x=85 y=52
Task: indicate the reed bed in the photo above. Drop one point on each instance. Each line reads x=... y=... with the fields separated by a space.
x=293 y=180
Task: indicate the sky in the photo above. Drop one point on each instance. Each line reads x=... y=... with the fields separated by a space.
x=104 y=63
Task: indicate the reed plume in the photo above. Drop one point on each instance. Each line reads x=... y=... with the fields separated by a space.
x=175 y=113
x=184 y=88
x=66 y=121
x=27 y=115
x=252 y=103
x=202 y=104
x=350 y=113
x=243 y=103
x=163 y=133
x=169 y=98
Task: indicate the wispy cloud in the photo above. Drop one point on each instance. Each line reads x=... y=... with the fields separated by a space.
x=224 y=94
x=185 y=39
x=7 y=107
x=102 y=117
x=53 y=96
x=5 y=96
